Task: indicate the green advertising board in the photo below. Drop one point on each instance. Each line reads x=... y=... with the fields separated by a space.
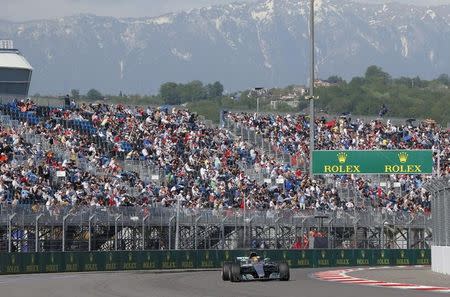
x=13 y=263
x=344 y=258
x=151 y=259
x=373 y=162
x=324 y=258
x=422 y=257
x=363 y=257
x=303 y=258
x=382 y=257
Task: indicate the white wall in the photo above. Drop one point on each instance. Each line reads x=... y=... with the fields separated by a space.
x=440 y=259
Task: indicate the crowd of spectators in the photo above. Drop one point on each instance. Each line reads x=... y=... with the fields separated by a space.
x=34 y=175
x=290 y=135
x=74 y=155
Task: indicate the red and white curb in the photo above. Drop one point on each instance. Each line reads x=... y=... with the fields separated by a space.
x=340 y=276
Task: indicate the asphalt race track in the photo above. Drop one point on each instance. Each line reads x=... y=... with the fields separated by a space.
x=186 y=284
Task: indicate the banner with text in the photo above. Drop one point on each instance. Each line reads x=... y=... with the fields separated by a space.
x=373 y=162
x=14 y=263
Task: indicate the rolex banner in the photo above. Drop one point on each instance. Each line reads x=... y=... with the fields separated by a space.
x=373 y=162
x=15 y=263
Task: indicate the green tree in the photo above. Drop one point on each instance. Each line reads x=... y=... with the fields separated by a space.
x=417 y=82
x=334 y=79
x=406 y=81
x=377 y=75
x=194 y=91
x=444 y=79
x=215 y=90
x=357 y=81
x=93 y=94
x=75 y=94
x=170 y=93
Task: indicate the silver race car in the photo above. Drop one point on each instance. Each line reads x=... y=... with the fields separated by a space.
x=254 y=268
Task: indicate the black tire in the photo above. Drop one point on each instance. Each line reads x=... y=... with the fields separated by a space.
x=226 y=271
x=283 y=268
x=235 y=275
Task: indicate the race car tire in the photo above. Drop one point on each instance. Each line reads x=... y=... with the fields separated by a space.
x=235 y=275
x=226 y=271
x=283 y=268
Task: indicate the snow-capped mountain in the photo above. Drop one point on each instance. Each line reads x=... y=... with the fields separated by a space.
x=243 y=45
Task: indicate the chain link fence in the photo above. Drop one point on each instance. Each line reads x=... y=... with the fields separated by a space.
x=43 y=228
x=440 y=205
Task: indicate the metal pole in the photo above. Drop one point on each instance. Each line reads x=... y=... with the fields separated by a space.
x=196 y=232
x=330 y=245
x=170 y=231
x=409 y=238
x=143 y=231
x=257 y=105
x=36 y=233
x=204 y=240
x=90 y=233
x=177 y=225
x=64 y=232
x=250 y=228
x=277 y=231
x=439 y=164
x=116 y=231
x=311 y=93
x=446 y=214
x=11 y=217
x=245 y=230
x=222 y=230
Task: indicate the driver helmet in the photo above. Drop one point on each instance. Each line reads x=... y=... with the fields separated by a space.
x=254 y=257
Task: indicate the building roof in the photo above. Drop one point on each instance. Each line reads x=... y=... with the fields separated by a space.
x=13 y=59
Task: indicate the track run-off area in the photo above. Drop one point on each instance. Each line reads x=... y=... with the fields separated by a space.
x=400 y=277
x=304 y=282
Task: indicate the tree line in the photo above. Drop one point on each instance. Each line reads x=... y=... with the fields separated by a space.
x=402 y=97
x=169 y=93
x=174 y=93
x=410 y=97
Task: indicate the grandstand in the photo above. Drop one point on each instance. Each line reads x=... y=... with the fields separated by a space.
x=66 y=164
x=15 y=72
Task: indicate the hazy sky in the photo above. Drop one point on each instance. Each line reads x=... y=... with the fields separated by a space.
x=20 y=10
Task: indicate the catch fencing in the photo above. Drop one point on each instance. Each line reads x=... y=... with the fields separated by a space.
x=45 y=229
x=440 y=205
x=440 y=190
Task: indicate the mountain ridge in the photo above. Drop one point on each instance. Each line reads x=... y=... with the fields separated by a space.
x=243 y=45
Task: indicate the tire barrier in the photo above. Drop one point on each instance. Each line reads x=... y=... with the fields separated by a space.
x=19 y=263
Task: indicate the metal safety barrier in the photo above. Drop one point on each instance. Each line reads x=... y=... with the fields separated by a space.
x=27 y=228
x=440 y=205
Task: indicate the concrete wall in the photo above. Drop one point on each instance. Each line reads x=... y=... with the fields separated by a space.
x=440 y=259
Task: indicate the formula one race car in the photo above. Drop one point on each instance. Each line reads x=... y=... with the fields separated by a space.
x=254 y=268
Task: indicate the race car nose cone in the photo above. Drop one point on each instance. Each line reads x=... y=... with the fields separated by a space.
x=259 y=268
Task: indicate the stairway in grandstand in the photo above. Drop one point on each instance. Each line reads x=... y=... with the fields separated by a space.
x=261 y=144
x=347 y=192
x=258 y=141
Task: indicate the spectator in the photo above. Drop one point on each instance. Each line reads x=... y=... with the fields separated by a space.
x=78 y=156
